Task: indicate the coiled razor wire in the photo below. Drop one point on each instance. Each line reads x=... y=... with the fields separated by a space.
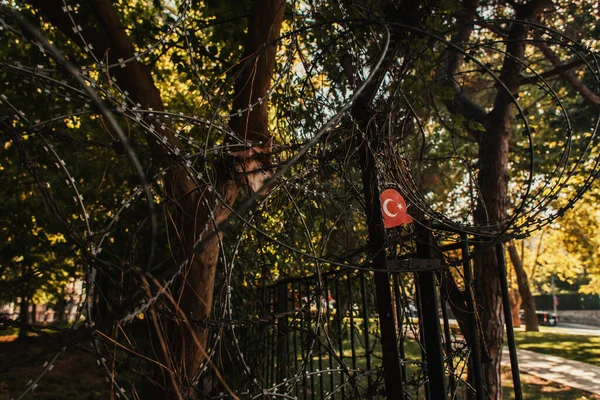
x=428 y=154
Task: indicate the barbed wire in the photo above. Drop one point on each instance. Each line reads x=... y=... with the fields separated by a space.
x=305 y=227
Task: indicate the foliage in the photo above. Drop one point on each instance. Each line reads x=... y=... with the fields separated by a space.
x=431 y=124
x=567 y=249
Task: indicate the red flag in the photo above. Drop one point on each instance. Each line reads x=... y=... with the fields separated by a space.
x=393 y=208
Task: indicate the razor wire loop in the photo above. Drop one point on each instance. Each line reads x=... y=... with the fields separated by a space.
x=302 y=175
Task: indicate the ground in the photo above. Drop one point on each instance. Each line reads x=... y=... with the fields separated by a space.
x=539 y=389
x=77 y=376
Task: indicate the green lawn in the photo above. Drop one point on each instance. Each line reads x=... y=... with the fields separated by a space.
x=534 y=388
x=573 y=347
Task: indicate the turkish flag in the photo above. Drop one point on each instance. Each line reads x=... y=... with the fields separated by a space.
x=393 y=208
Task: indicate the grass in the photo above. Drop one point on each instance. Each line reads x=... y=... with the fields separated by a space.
x=535 y=388
x=8 y=332
x=77 y=376
x=573 y=347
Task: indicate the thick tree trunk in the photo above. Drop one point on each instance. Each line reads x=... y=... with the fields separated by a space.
x=493 y=183
x=531 y=321
x=194 y=292
x=253 y=82
x=489 y=302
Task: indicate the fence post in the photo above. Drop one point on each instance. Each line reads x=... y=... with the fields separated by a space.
x=475 y=355
x=448 y=343
x=510 y=334
x=377 y=243
x=430 y=322
x=365 y=307
x=282 y=331
x=400 y=328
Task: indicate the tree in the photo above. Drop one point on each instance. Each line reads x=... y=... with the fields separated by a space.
x=567 y=250
x=107 y=40
x=423 y=95
x=494 y=148
x=531 y=321
x=36 y=260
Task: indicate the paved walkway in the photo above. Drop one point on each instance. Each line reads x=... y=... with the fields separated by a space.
x=570 y=373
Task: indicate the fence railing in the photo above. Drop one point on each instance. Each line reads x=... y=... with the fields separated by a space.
x=320 y=336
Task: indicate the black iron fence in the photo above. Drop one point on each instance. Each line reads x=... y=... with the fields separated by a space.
x=319 y=337
x=322 y=336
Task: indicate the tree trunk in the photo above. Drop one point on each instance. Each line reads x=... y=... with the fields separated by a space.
x=194 y=293
x=197 y=285
x=515 y=306
x=493 y=183
x=489 y=302
x=24 y=316
x=33 y=314
x=60 y=309
x=531 y=321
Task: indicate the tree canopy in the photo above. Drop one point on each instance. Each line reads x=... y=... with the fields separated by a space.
x=180 y=155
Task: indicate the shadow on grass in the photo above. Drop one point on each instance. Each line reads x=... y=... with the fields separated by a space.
x=573 y=347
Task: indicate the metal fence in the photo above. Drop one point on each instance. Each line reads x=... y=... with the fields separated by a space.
x=320 y=337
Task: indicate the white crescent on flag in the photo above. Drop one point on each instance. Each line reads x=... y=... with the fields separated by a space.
x=386 y=210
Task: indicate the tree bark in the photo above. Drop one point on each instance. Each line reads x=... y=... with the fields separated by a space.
x=33 y=314
x=493 y=184
x=254 y=80
x=194 y=292
x=24 y=315
x=515 y=306
x=531 y=321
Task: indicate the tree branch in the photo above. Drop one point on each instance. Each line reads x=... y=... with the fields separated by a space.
x=461 y=104
x=465 y=18
x=254 y=80
x=513 y=61
x=113 y=43
x=568 y=74
x=553 y=72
